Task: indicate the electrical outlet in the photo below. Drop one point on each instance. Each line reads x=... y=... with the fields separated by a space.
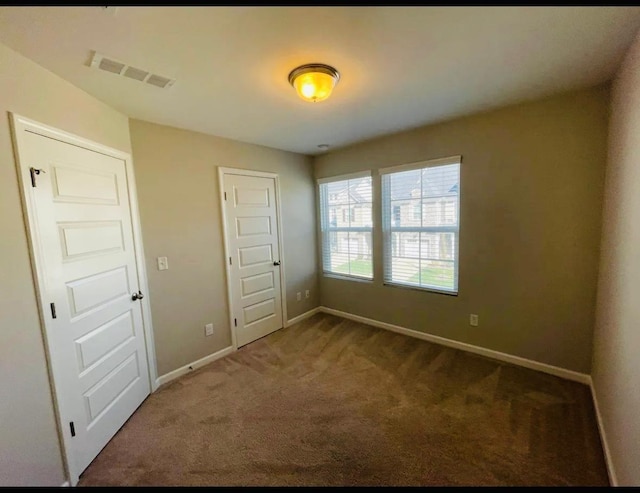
x=299 y=296
x=306 y=293
x=163 y=263
x=208 y=330
x=473 y=320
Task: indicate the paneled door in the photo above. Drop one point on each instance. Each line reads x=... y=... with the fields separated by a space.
x=253 y=249
x=79 y=211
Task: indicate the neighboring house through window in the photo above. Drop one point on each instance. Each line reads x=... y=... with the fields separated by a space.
x=397 y=214
x=420 y=209
x=346 y=224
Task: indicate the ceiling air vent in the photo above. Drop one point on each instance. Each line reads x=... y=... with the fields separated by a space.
x=159 y=81
x=110 y=66
x=135 y=73
x=115 y=67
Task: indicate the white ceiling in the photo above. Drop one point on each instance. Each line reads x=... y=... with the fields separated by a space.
x=401 y=67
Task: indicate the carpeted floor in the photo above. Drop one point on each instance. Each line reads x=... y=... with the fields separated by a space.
x=332 y=402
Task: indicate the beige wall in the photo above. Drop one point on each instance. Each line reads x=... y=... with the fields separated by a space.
x=616 y=359
x=177 y=182
x=531 y=194
x=29 y=450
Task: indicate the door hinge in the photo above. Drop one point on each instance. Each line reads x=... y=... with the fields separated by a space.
x=225 y=195
x=230 y=262
x=34 y=172
x=73 y=429
x=235 y=322
x=53 y=310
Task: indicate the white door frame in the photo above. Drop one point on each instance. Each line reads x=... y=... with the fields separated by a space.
x=283 y=285
x=19 y=125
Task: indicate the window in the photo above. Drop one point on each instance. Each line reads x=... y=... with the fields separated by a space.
x=347 y=242
x=396 y=215
x=420 y=211
x=417 y=211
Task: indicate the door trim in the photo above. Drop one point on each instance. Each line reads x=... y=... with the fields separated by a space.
x=283 y=285
x=19 y=125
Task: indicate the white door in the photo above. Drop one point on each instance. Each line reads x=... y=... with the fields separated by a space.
x=81 y=231
x=251 y=227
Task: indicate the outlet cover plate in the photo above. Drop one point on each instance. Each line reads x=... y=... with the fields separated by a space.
x=208 y=330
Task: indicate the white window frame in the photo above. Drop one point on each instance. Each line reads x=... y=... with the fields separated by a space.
x=325 y=229
x=387 y=228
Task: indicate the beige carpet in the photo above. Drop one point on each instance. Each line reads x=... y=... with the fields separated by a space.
x=333 y=402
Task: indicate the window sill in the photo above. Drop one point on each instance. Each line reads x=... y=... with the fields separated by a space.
x=347 y=278
x=420 y=288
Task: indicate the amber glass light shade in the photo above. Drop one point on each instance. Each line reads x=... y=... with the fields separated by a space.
x=314 y=82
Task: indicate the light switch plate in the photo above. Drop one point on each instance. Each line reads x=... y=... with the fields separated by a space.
x=163 y=263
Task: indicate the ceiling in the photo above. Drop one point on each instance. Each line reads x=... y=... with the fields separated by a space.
x=401 y=67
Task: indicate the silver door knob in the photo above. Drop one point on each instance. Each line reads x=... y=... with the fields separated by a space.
x=137 y=296
x=276 y=263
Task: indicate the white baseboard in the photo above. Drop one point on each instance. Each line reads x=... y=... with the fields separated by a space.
x=192 y=366
x=220 y=354
x=299 y=318
x=603 y=437
x=490 y=353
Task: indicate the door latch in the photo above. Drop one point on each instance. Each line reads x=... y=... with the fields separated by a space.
x=137 y=296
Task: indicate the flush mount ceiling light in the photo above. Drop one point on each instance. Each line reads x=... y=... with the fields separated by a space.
x=314 y=81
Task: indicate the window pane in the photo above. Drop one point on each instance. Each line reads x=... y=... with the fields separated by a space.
x=347 y=204
x=336 y=217
x=430 y=212
x=361 y=191
x=450 y=211
x=435 y=248
x=405 y=253
x=405 y=185
x=403 y=213
x=442 y=211
x=353 y=254
x=440 y=181
x=405 y=270
x=339 y=256
x=361 y=216
x=424 y=201
x=337 y=192
x=436 y=274
x=360 y=254
x=405 y=245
